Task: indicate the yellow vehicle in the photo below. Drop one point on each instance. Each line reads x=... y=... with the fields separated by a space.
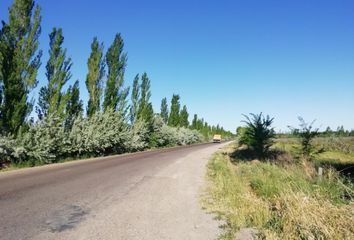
x=217 y=138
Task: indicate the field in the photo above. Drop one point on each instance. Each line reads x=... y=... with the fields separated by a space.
x=282 y=197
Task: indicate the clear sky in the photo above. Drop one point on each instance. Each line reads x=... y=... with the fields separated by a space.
x=224 y=58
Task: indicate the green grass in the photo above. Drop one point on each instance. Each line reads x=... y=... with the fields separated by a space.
x=281 y=202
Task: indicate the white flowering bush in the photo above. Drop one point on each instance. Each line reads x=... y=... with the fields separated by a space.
x=187 y=136
x=170 y=136
x=139 y=138
x=11 y=151
x=46 y=141
x=103 y=133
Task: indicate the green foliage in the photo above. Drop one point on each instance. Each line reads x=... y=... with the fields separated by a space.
x=209 y=131
x=94 y=77
x=115 y=93
x=164 y=110
x=258 y=134
x=307 y=134
x=74 y=106
x=11 y=152
x=135 y=96
x=141 y=113
x=103 y=133
x=173 y=119
x=165 y=135
x=46 y=141
x=19 y=64
x=52 y=100
x=145 y=110
x=183 y=122
x=240 y=131
x=140 y=136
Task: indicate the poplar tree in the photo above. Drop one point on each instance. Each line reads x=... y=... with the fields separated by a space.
x=194 y=121
x=135 y=100
x=19 y=63
x=74 y=106
x=115 y=94
x=94 y=77
x=173 y=119
x=184 y=117
x=58 y=74
x=145 y=110
x=164 y=110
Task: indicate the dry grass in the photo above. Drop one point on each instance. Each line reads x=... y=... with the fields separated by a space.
x=304 y=217
x=281 y=202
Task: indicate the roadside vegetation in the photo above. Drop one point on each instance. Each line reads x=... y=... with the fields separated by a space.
x=283 y=195
x=54 y=125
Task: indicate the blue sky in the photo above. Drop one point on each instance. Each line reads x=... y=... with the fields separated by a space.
x=224 y=58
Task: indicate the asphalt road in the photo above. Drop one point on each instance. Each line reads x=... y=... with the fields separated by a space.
x=147 y=195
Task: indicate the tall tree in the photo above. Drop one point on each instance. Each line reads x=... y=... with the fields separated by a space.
x=135 y=100
x=174 y=118
x=183 y=121
x=19 y=64
x=195 y=121
x=94 y=77
x=115 y=94
x=58 y=74
x=164 y=110
x=144 y=111
x=74 y=106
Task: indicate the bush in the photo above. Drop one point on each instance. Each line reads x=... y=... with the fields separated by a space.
x=307 y=134
x=258 y=134
x=169 y=136
x=46 y=141
x=101 y=134
x=139 y=136
x=186 y=136
x=11 y=151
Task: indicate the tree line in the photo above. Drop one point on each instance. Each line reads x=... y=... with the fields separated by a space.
x=118 y=118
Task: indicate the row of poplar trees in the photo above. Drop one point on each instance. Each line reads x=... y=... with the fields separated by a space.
x=20 y=59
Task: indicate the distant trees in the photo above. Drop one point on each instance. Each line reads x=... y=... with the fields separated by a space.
x=258 y=134
x=19 y=63
x=94 y=78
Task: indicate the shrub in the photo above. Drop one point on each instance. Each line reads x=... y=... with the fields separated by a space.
x=168 y=136
x=186 y=136
x=11 y=151
x=103 y=133
x=46 y=141
x=307 y=134
x=139 y=136
x=258 y=134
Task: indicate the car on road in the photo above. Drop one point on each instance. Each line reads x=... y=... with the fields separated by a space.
x=217 y=138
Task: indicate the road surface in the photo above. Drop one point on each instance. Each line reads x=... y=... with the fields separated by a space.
x=148 y=195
